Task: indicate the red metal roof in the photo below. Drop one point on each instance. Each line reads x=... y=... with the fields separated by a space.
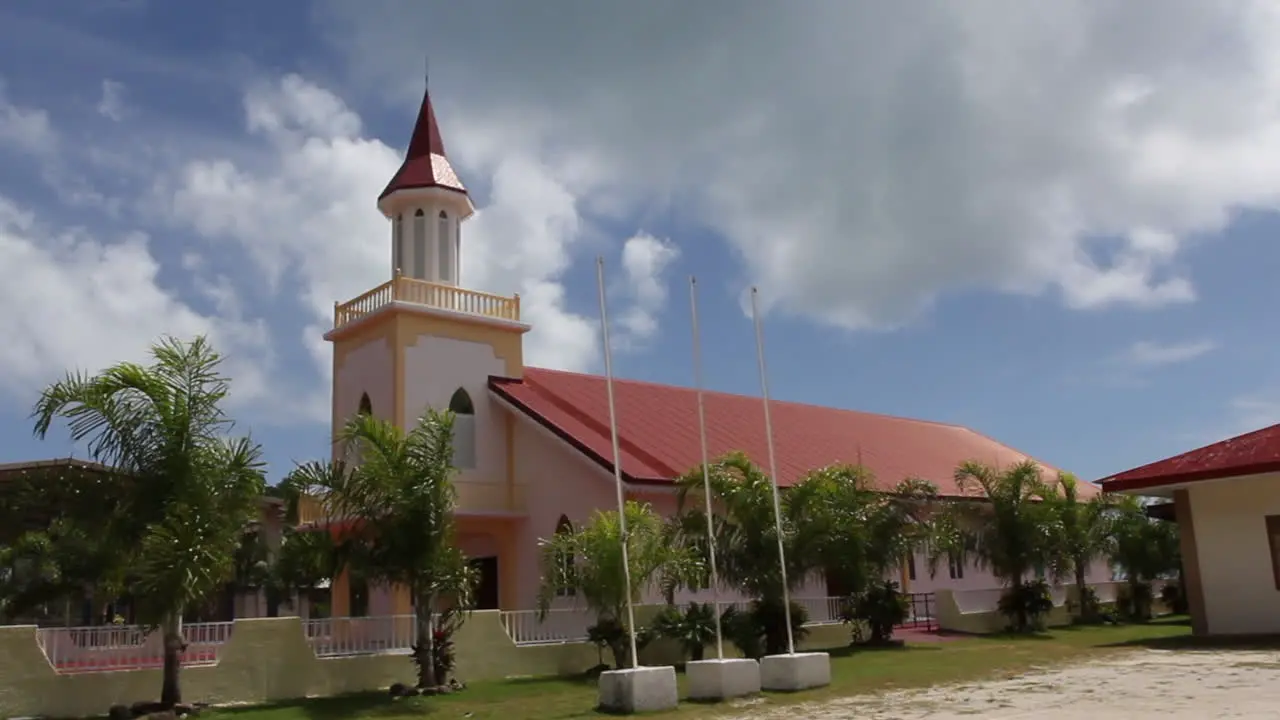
x=1248 y=454
x=425 y=164
x=658 y=431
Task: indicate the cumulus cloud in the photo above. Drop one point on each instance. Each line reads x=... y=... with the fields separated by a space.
x=26 y=129
x=76 y=301
x=1145 y=353
x=645 y=260
x=307 y=208
x=862 y=159
x=111 y=105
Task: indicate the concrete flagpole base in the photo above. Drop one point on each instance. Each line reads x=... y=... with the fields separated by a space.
x=795 y=671
x=722 y=679
x=639 y=690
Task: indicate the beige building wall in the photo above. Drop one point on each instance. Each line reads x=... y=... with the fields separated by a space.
x=1235 y=567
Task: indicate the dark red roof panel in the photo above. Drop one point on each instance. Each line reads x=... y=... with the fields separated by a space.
x=1248 y=454
x=425 y=164
x=658 y=431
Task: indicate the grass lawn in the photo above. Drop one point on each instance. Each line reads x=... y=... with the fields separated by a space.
x=852 y=671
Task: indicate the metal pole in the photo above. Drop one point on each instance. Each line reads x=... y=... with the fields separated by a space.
x=617 y=462
x=773 y=470
x=706 y=466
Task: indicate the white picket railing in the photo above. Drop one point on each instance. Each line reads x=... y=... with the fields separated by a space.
x=338 y=637
x=566 y=625
x=127 y=647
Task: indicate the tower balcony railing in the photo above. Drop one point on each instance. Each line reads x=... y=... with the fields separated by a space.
x=439 y=296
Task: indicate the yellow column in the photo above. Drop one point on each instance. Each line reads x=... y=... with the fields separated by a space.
x=508 y=569
x=906 y=577
x=401 y=602
x=340 y=595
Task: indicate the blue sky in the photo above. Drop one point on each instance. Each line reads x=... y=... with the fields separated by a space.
x=1060 y=239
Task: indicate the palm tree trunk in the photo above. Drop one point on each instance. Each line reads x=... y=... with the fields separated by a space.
x=1020 y=614
x=426 y=655
x=171 y=690
x=1082 y=587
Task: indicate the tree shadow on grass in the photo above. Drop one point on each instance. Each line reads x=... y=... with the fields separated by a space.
x=895 y=648
x=1194 y=642
x=339 y=707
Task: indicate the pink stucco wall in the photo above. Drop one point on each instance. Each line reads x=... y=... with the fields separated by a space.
x=559 y=480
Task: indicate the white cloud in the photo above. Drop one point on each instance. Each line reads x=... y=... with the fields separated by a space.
x=308 y=208
x=645 y=260
x=24 y=128
x=1151 y=354
x=862 y=159
x=80 y=302
x=112 y=106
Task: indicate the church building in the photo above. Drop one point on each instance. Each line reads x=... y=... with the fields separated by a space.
x=533 y=446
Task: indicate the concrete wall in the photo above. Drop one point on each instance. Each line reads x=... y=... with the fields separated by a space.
x=269 y=659
x=1239 y=588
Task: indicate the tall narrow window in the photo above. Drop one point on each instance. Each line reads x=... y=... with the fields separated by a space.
x=445 y=243
x=398 y=240
x=955 y=566
x=366 y=407
x=420 y=245
x=911 y=565
x=464 y=430
x=564 y=563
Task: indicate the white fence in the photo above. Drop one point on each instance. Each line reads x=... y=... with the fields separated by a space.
x=565 y=625
x=338 y=637
x=127 y=647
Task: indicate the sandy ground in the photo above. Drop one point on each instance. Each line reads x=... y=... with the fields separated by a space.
x=1146 y=684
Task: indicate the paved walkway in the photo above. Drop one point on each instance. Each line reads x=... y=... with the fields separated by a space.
x=1155 y=684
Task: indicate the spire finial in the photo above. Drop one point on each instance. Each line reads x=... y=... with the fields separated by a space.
x=426 y=70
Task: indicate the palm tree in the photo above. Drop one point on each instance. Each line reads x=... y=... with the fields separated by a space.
x=865 y=531
x=396 y=495
x=161 y=427
x=1013 y=534
x=1085 y=528
x=587 y=562
x=307 y=559
x=746 y=537
x=1144 y=549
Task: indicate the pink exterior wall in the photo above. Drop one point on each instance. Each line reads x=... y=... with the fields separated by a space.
x=558 y=480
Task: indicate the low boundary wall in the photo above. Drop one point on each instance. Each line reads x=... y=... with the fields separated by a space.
x=269 y=659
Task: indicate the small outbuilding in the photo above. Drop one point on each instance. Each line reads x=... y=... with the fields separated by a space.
x=1226 y=501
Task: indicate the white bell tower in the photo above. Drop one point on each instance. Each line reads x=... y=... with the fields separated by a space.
x=426 y=204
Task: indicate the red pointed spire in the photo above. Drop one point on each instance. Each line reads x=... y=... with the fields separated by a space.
x=425 y=164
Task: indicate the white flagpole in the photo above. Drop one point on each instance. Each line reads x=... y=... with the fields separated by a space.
x=706 y=466
x=617 y=462
x=773 y=470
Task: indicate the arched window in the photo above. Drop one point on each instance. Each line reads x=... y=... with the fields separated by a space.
x=419 y=244
x=445 y=243
x=564 y=562
x=397 y=239
x=464 y=430
x=354 y=451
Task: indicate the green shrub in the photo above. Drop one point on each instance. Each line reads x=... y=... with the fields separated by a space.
x=762 y=629
x=881 y=607
x=693 y=628
x=1026 y=606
